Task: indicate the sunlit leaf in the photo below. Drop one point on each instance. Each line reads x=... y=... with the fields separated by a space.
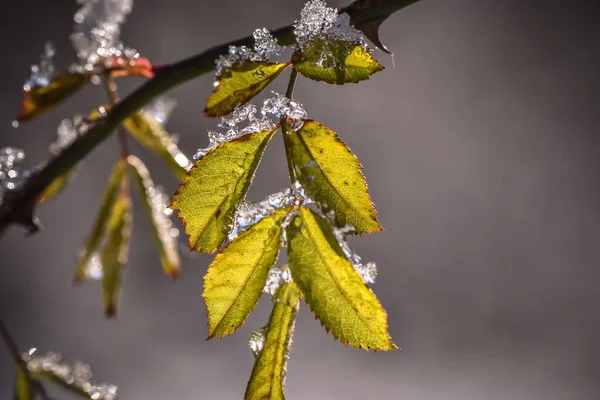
x=335 y=62
x=208 y=195
x=239 y=84
x=336 y=294
x=101 y=222
x=330 y=172
x=127 y=67
x=24 y=386
x=237 y=276
x=268 y=375
x=166 y=244
x=116 y=250
x=39 y=99
x=151 y=134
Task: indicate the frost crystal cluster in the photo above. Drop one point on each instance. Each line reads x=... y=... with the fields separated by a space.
x=277 y=277
x=367 y=271
x=12 y=172
x=70 y=129
x=76 y=375
x=317 y=21
x=257 y=341
x=42 y=74
x=97 y=33
x=282 y=107
x=265 y=47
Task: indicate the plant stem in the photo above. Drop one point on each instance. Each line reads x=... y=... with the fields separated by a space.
x=113 y=94
x=284 y=126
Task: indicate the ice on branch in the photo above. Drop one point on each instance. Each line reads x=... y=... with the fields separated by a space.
x=277 y=277
x=12 y=171
x=265 y=47
x=69 y=129
x=77 y=375
x=43 y=73
x=257 y=341
x=97 y=33
x=250 y=213
x=317 y=21
x=367 y=271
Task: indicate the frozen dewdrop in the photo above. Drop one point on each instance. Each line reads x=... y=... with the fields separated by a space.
x=93 y=268
x=277 y=276
x=12 y=172
x=257 y=341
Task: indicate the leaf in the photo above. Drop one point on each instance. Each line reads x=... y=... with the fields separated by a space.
x=335 y=62
x=237 y=276
x=24 y=386
x=333 y=290
x=208 y=195
x=166 y=244
x=267 y=380
x=116 y=250
x=330 y=172
x=101 y=222
x=239 y=84
x=57 y=186
x=40 y=99
x=151 y=134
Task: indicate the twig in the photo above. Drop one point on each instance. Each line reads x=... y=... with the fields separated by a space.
x=113 y=94
x=18 y=205
x=284 y=127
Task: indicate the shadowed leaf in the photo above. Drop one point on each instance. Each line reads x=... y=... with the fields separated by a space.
x=208 y=195
x=267 y=380
x=101 y=222
x=237 y=276
x=335 y=62
x=166 y=244
x=330 y=172
x=333 y=290
x=40 y=99
x=239 y=84
x=24 y=386
x=151 y=134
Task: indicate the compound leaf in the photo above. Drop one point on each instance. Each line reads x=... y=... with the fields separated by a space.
x=333 y=290
x=208 y=195
x=239 y=84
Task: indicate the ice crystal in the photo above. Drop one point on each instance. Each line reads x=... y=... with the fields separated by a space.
x=76 y=375
x=97 y=33
x=42 y=74
x=12 y=171
x=277 y=277
x=265 y=47
x=317 y=21
x=257 y=341
x=69 y=129
x=283 y=107
x=161 y=109
x=368 y=271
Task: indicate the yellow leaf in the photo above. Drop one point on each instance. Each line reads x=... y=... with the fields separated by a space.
x=330 y=172
x=239 y=84
x=237 y=276
x=24 y=386
x=333 y=290
x=208 y=195
x=268 y=375
x=151 y=197
x=335 y=62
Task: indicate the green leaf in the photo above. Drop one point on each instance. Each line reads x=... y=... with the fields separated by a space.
x=116 y=250
x=330 y=172
x=150 y=195
x=333 y=290
x=239 y=84
x=267 y=380
x=40 y=99
x=208 y=195
x=24 y=386
x=237 y=276
x=151 y=134
x=107 y=204
x=335 y=62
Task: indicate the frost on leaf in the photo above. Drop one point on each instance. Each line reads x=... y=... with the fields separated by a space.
x=217 y=182
x=237 y=276
x=156 y=205
x=367 y=271
x=334 y=291
x=75 y=377
x=12 y=171
x=147 y=126
x=331 y=174
x=331 y=50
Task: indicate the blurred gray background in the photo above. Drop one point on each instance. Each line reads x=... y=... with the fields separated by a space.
x=481 y=149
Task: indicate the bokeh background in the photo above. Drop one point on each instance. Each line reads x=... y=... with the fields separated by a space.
x=481 y=148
